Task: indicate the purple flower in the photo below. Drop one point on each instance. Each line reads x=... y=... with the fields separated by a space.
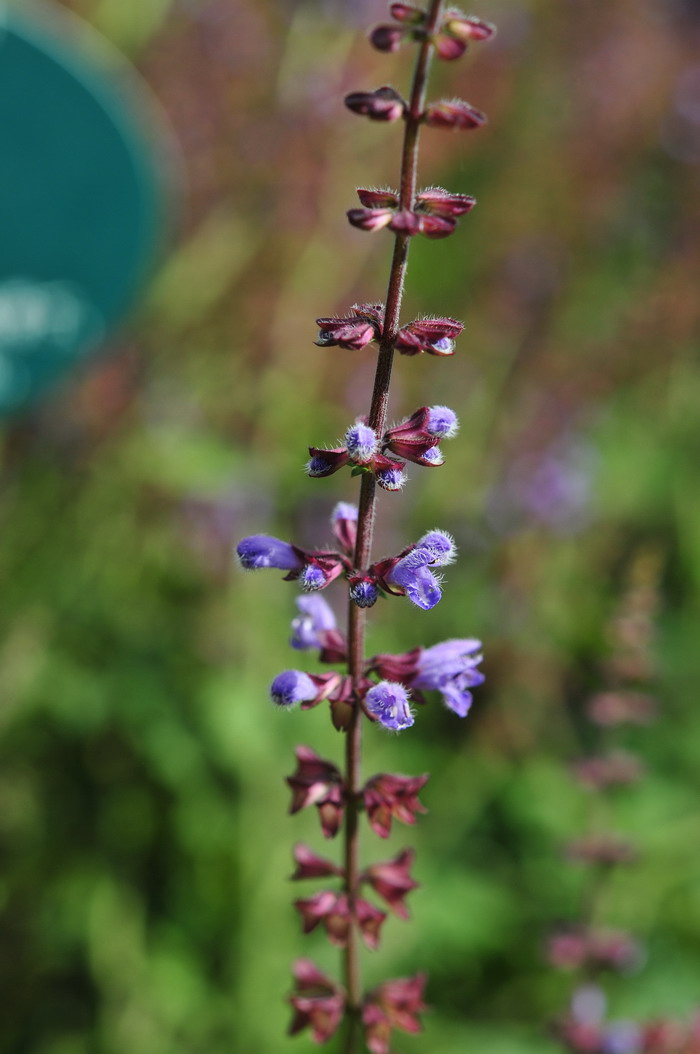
x=388 y=702
x=442 y=422
x=413 y=575
x=450 y=668
x=292 y=687
x=315 y=618
x=440 y=545
x=362 y=442
x=261 y=550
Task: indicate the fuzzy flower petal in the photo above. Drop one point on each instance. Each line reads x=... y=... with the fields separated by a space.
x=261 y=550
x=388 y=702
x=292 y=687
x=315 y=616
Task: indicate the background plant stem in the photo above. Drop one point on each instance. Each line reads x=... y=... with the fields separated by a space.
x=357 y=617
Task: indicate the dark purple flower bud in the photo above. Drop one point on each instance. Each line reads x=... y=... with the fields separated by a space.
x=292 y=687
x=605 y=849
x=390 y=38
x=318 y=782
x=391 y=880
x=392 y=478
x=384 y=104
x=326 y=462
x=309 y=865
x=467 y=27
x=370 y=219
x=440 y=202
x=407 y=13
x=312 y=578
x=422 y=449
x=436 y=336
x=442 y=422
x=622 y=708
x=261 y=550
x=394 y=1004
x=450 y=668
x=378 y=198
x=612 y=770
x=318 y=1003
x=344 y=526
x=320 y=569
x=454 y=114
x=353 y=334
x=388 y=703
x=388 y=797
x=363 y=591
x=362 y=443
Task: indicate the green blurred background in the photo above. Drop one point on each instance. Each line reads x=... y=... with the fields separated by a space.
x=145 y=841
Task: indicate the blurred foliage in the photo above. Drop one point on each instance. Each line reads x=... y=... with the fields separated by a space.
x=142 y=809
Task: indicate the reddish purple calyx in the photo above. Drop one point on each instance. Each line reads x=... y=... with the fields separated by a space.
x=388 y=797
x=318 y=1003
x=392 y=881
x=318 y=782
x=435 y=213
x=393 y=1005
x=332 y=910
x=383 y=104
x=455 y=115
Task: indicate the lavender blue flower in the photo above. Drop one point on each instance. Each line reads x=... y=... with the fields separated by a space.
x=391 y=478
x=315 y=616
x=413 y=575
x=388 y=702
x=261 y=550
x=440 y=545
x=364 y=593
x=362 y=442
x=442 y=422
x=450 y=668
x=292 y=687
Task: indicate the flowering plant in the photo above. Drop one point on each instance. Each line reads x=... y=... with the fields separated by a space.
x=380 y=689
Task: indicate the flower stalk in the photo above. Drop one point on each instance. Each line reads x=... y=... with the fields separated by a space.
x=377 y=689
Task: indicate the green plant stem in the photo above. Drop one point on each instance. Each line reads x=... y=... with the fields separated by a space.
x=357 y=617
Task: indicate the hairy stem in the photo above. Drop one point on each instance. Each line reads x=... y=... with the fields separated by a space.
x=357 y=617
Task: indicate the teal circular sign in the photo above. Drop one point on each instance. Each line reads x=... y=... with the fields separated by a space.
x=80 y=204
